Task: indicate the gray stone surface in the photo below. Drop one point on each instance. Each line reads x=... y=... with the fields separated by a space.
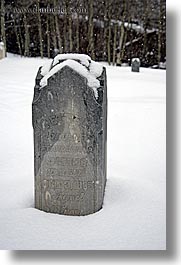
x=70 y=137
x=2 y=50
x=135 y=65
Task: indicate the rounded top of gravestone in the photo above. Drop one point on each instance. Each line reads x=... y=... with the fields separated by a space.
x=135 y=60
x=80 y=58
x=80 y=63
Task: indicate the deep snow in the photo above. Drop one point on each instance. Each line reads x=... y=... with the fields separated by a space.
x=133 y=216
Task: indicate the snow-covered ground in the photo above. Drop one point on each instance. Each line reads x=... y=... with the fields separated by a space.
x=134 y=212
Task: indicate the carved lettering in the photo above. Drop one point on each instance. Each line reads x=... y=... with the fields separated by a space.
x=68 y=173
x=67 y=184
x=67 y=161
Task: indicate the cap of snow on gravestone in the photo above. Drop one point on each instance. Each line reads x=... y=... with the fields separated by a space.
x=135 y=65
x=70 y=131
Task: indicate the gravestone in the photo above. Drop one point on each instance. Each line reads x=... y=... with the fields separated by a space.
x=70 y=134
x=2 y=50
x=135 y=65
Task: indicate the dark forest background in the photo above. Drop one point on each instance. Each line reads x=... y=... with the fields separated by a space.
x=113 y=31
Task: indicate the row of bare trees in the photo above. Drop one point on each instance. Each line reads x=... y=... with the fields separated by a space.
x=112 y=30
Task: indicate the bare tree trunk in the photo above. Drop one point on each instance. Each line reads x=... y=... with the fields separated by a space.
x=123 y=46
x=18 y=39
x=121 y=38
x=65 y=26
x=108 y=44
x=3 y=31
x=53 y=34
x=48 y=37
x=127 y=7
x=122 y=30
x=90 y=30
x=77 y=33
x=70 y=30
x=159 y=33
x=114 y=43
x=40 y=30
x=58 y=30
x=54 y=42
x=105 y=30
x=131 y=41
x=145 y=29
x=109 y=33
x=27 y=37
x=129 y=52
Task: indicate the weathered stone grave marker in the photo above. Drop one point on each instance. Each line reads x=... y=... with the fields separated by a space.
x=70 y=135
x=135 y=65
x=2 y=50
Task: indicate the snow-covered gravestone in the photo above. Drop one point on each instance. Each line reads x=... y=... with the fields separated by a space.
x=2 y=50
x=135 y=65
x=70 y=131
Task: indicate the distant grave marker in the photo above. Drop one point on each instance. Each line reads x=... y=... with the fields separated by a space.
x=2 y=50
x=70 y=135
x=135 y=65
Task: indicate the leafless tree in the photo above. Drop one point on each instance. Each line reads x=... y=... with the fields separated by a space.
x=3 y=32
x=91 y=28
x=40 y=29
